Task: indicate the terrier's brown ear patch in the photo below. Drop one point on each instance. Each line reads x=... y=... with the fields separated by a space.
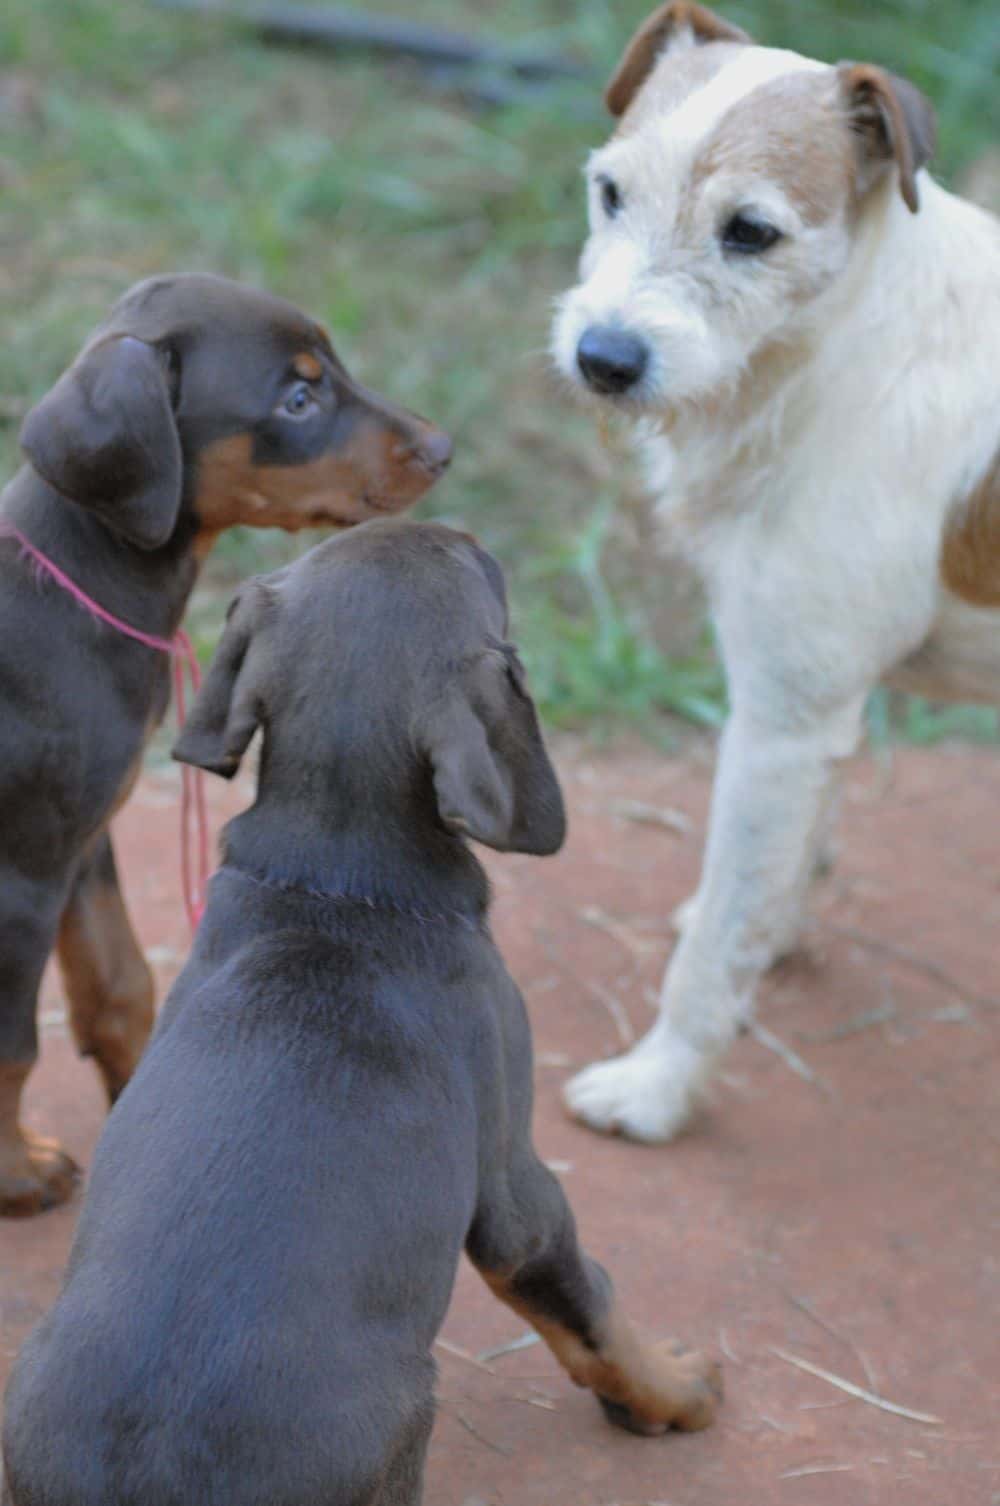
x=654 y=37
x=893 y=123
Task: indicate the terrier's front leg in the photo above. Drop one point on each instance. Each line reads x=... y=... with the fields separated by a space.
x=769 y=813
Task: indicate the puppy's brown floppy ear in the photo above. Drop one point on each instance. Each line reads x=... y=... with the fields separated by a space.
x=105 y=438
x=492 y=777
x=653 y=38
x=227 y=709
x=893 y=122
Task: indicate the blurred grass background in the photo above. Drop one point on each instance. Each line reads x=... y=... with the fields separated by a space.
x=431 y=235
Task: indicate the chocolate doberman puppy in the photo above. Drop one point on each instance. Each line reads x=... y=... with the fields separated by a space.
x=198 y=405
x=338 y=1094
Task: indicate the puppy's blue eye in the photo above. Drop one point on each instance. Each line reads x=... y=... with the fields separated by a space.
x=749 y=235
x=299 y=401
x=611 y=197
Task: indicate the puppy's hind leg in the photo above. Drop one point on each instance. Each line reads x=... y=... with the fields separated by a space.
x=403 y=1483
x=35 y=1173
x=108 y=982
x=524 y=1244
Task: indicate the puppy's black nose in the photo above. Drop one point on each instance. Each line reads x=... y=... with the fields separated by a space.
x=426 y=445
x=436 y=450
x=610 y=360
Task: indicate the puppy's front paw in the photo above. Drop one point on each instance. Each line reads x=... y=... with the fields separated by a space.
x=683 y=1392
x=648 y=1094
x=624 y=1417
x=34 y=1175
x=701 y=1377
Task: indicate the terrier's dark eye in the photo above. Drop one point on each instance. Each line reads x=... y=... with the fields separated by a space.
x=299 y=401
x=749 y=235
x=611 y=199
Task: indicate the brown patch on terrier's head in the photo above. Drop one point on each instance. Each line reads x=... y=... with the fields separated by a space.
x=787 y=132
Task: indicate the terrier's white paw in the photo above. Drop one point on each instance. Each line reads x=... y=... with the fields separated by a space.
x=648 y=1094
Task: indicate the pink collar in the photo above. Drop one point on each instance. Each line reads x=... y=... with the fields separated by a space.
x=194 y=866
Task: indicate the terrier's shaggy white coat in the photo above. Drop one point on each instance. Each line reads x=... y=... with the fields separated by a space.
x=821 y=424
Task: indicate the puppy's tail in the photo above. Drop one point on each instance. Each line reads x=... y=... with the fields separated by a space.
x=970 y=550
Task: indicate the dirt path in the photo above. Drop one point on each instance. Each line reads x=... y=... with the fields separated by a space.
x=851 y=1220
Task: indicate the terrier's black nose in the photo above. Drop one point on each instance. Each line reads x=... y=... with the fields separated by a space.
x=610 y=360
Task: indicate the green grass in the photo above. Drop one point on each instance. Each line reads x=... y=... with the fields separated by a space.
x=429 y=235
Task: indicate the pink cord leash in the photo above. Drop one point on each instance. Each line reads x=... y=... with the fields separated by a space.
x=194 y=863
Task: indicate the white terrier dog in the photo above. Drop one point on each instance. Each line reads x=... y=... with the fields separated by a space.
x=808 y=328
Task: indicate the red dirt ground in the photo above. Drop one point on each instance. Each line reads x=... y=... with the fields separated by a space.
x=850 y=1219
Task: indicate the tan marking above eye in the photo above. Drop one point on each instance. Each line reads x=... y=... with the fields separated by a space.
x=307 y=366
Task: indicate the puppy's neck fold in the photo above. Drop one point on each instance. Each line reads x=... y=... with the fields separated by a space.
x=396 y=860
x=373 y=904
